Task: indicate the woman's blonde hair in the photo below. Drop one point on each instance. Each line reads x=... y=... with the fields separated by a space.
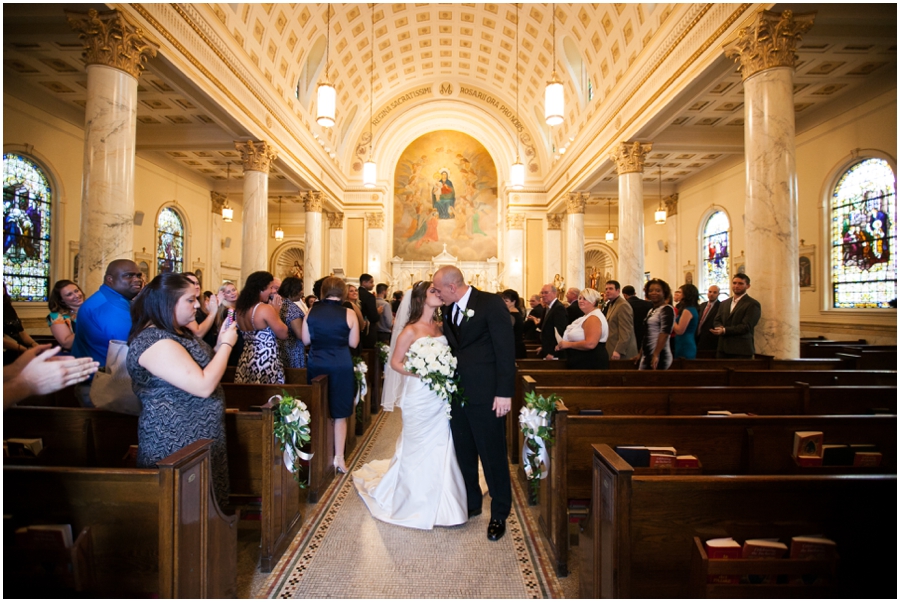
x=592 y=296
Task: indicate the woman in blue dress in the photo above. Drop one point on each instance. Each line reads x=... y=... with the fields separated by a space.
x=685 y=328
x=330 y=330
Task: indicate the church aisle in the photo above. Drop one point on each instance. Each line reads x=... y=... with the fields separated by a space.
x=342 y=552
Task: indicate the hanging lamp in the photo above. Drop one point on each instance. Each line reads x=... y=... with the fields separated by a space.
x=517 y=171
x=660 y=214
x=610 y=236
x=369 y=171
x=326 y=95
x=227 y=212
x=554 y=95
x=279 y=233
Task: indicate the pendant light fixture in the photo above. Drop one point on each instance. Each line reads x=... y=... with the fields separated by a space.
x=660 y=214
x=369 y=165
x=554 y=95
x=610 y=236
x=326 y=95
x=227 y=212
x=517 y=171
x=279 y=233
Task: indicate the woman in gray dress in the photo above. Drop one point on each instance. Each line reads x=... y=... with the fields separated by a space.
x=176 y=376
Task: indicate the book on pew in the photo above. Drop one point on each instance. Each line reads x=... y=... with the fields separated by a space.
x=23 y=447
x=808 y=443
x=687 y=461
x=662 y=460
x=810 y=547
x=837 y=454
x=590 y=412
x=720 y=549
x=636 y=455
x=44 y=537
x=867 y=458
x=763 y=548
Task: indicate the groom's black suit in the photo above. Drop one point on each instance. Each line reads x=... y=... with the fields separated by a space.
x=484 y=347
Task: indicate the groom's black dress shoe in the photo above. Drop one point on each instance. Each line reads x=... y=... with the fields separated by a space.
x=496 y=529
x=475 y=512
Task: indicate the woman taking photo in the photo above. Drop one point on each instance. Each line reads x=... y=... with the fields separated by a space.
x=257 y=310
x=685 y=327
x=511 y=298
x=176 y=376
x=656 y=354
x=585 y=338
x=63 y=302
x=332 y=330
x=293 y=354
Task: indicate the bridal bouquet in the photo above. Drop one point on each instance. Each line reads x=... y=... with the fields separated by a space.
x=433 y=362
x=292 y=431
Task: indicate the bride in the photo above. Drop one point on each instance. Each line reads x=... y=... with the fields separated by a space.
x=421 y=486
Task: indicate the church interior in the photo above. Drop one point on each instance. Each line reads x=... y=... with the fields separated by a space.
x=688 y=142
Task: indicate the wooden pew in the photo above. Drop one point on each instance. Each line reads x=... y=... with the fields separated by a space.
x=820 y=378
x=869 y=359
x=732 y=445
x=641 y=527
x=155 y=532
x=374 y=382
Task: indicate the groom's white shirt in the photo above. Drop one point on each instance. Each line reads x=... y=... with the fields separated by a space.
x=463 y=303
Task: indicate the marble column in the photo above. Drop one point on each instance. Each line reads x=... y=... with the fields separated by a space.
x=115 y=52
x=256 y=158
x=375 y=246
x=217 y=201
x=335 y=242
x=629 y=158
x=575 y=239
x=673 y=275
x=765 y=51
x=312 y=258
x=554 y=250
x=514 y=273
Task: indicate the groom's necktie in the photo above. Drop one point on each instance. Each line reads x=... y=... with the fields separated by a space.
x=455 y=314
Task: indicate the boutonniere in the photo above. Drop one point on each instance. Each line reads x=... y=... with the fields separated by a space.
x=469 y=314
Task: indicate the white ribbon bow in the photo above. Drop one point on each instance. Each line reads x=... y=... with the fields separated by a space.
x=361 y=390
x=534 y=419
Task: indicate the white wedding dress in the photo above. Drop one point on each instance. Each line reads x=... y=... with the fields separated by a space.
x=421 y=486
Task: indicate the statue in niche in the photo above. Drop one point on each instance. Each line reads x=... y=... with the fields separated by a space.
x=559 y=282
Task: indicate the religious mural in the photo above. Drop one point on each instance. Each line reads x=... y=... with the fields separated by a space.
x=445 y=192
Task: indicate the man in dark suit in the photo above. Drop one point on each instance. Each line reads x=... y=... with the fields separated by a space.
x=640 y=308
x=573 y=312
x=533 y=319
x=706 y=340
x=735 y=321
x=555 y=321
x=369 y=307
x=480 y=333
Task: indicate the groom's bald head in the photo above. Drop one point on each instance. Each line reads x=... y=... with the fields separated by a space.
x=450 y=284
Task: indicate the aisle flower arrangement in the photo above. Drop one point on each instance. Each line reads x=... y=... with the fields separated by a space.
x=432 y=360
x=382 y=348
x=360 y=368
x=292 y=432
x=534 y=422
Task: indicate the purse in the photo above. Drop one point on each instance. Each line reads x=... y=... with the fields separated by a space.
x=111 y=388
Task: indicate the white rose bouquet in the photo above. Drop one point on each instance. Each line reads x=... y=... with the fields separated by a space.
x=292 y=432
x=432 y=360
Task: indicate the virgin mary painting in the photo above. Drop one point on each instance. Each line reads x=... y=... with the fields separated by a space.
x=443 y=195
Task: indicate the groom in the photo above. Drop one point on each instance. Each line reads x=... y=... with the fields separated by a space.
x=479 y=329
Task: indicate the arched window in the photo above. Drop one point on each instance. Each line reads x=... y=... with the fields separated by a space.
x=26 y=229
x=863 y=236
x=715 y=254
x=169 y=242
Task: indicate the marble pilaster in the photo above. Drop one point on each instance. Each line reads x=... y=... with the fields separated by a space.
x=115 y=53
x=766 y=53
x=312 y=259
x=375 y=245
x=256 y=158
x=575 y=239
x=514 y=274
x=554 y=252
x=217 y=201
x=335 y=241
x=629 y=158
x=673 y=276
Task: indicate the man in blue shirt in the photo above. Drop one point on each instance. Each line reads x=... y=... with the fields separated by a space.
x=106 y=315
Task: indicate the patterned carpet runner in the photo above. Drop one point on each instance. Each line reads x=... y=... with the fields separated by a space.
x=342 y=552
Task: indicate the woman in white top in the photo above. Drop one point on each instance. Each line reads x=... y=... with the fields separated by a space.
x=585 y=338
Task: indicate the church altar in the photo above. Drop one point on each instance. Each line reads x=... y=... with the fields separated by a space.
x=483 y=275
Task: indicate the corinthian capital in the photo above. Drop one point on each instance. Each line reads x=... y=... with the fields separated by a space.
x=257 y=156
x=335 y=220
x=630 y=157
x=575 y=201
x=769 y=42
x=218 y=201
x=555 y=220
x=110 y=40
x=313 y=201
x=515 y=221
x=375 y=220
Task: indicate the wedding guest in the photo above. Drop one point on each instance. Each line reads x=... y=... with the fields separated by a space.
x=685 y=328
x=385 y=313
x=64 y=301
x=369 y=308
x=204 y=320
x=15 y=340
x=353 y=303
x=585 y=339
x=331 y=330
x=38 y=372
x=293 y=354
x=573 y=309
x=511 y=298
x=257 y=310
x=655 y=353
x=533 y=318
x=176 y=376
x=395 y=302
x=640 y=308
x=226 y=298
x=310 y=299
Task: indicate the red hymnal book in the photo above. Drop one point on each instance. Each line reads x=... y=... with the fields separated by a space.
x=719 y=549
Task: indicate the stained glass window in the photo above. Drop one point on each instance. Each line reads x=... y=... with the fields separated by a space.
x=26 y=229
x=863 y=236
x=715 y=261
x=169 y=242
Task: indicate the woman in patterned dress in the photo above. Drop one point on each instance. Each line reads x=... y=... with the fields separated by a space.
x=656 y=354
x=176 y=376
x=257 y=310
x=64 y=301
x=293 y=354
